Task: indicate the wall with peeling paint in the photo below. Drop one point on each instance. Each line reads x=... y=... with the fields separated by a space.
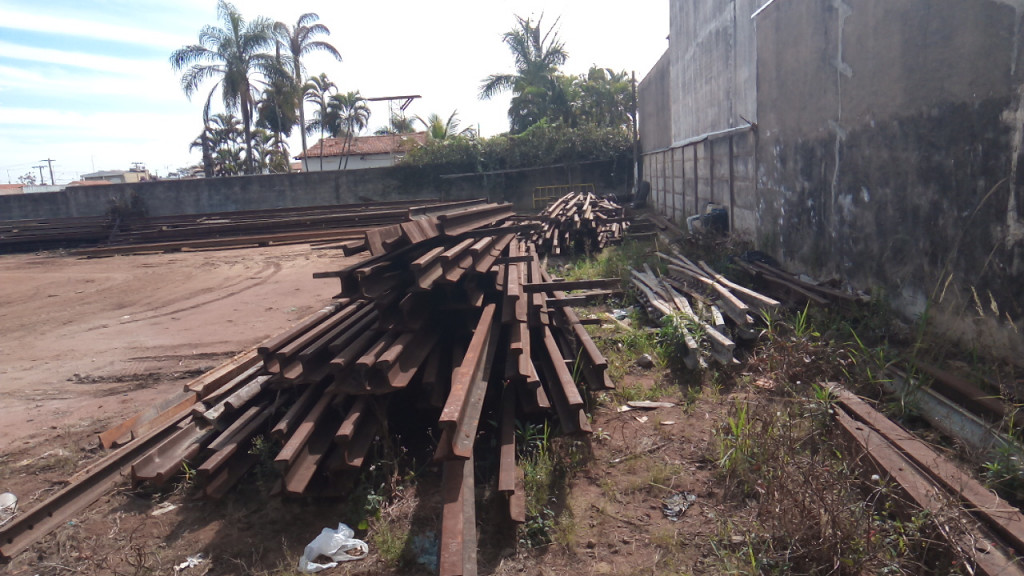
x=887 y=148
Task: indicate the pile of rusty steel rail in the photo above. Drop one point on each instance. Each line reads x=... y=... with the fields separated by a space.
x=46 y=233
x=712 y=294
x=450 y=319
x=579 y=223
x=323 y=224
x=795 y=286
x=974 y=520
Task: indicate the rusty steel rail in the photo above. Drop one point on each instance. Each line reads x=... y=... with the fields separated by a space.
x=86 y=487
x=937 y=485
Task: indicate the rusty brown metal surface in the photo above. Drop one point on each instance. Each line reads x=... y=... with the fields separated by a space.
x=993 y=510
x=974 y=542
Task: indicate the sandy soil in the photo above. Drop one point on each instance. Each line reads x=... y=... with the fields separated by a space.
x=89 y=342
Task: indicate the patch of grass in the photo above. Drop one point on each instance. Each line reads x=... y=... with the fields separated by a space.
x=388 y=540
x=612 y=262
x=810 y=513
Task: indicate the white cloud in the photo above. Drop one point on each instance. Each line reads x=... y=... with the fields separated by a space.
x=108 y=64
x=91 y=28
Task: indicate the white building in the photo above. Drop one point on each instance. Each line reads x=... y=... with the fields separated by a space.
x=362 y=152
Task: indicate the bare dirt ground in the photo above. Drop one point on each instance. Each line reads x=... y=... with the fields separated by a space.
x=100 y=339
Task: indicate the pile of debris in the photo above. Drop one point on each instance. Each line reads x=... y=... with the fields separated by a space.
x=450 y=321
x=580 y=223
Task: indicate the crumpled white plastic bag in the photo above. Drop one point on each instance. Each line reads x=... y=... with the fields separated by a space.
x=336 y=545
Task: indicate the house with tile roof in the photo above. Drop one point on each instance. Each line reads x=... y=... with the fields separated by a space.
x=362 y=152
x=12 y=189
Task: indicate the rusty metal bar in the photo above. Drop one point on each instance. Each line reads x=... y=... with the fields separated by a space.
x=996 y=512
x=89 y=486
x=980 y=547
x=458 y=519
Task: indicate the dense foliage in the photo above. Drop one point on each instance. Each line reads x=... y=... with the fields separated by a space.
x=542 y=144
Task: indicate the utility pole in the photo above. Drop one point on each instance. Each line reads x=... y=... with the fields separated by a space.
x=50 y=162
x=636 y=141
x=41 y=179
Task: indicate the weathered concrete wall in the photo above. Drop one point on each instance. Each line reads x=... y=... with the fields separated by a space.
x=654 y=106
x=174 y=197
x=888 y=142
x=717 y=169
x=713 y=54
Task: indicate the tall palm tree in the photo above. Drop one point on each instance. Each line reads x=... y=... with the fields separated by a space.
x=351 y=114
x=533 y=85
x=299 y=41
x=440 y=129
x=232 y=54
x=318 y=91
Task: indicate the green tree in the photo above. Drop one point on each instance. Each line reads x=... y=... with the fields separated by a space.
x=536 y=93
x=232 y=55
x=299 y=41
x=604 y=98
x=398 y=124
x=318 y=91
x=348 y=114
x=276 y=109
x=440 y=129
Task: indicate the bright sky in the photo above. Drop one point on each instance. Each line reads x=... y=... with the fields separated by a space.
x=89 y=83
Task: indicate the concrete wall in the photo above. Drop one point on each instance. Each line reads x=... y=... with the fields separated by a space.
x=654 y=104
x=888 y=144
x=712 y=53
x=206 y=195
x=886 y=152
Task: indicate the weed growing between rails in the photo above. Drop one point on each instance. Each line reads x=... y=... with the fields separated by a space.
x=803 y=504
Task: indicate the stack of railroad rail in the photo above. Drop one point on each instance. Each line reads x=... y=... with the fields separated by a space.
x=449 y=321
x=580 y=223
x=256 y=227
x=46 y=233
x=120 y=233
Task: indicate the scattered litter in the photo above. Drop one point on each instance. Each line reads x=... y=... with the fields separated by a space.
x=190 y=562
x=675 y=506
x=335 y=544
x=622 y=314
x=764 y=384
x=648 y=405
x=163 y=509
x=667 y=422
x=641 y=419
x=8 y=507
x=645 y=361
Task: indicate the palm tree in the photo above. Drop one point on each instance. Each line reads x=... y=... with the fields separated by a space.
x=298 y=41
x=440 y=129
x=232 y=55
x=537 y=58
x=351 y=114
x=318 y=91
x=276 y=108
x=399 y=124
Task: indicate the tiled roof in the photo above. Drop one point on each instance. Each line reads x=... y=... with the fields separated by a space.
x=12 y=188
x=89 y=183
x=366 y=145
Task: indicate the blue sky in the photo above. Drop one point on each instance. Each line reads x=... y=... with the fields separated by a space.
x=88 y=82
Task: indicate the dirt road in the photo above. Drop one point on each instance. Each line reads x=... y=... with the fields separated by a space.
x=87 y=343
